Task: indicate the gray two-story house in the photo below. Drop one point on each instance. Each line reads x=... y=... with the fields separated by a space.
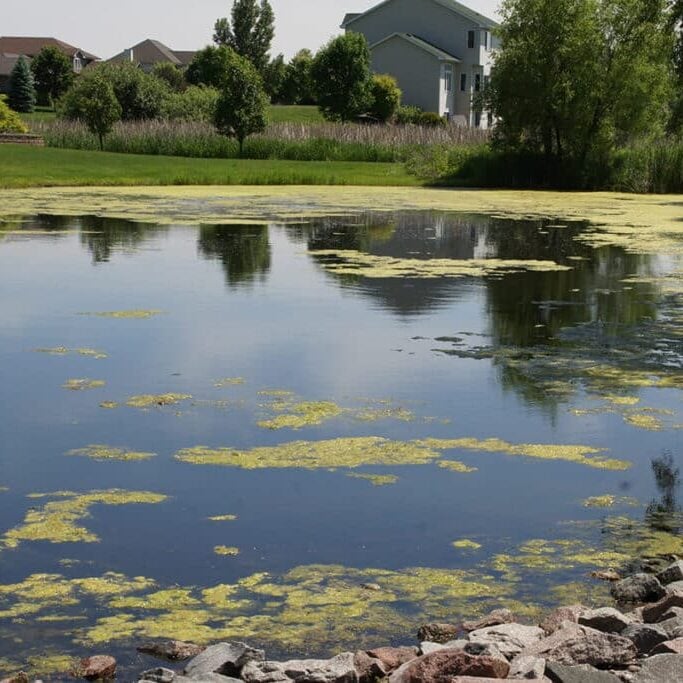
x=439 y=51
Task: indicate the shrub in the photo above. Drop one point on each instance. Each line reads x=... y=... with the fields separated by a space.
x=171 y=75
x=430 y=118
x=197 y=103
x=386 y=97
x=408 y=114
x=10 y=121
x=209 y=66
x=22 y=92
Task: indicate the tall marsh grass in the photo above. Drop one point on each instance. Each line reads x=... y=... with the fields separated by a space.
x=288 y=141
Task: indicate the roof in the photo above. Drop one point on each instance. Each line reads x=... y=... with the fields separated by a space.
x=185 y=56
x=350 y=17
x=422 y=44
x=452 y=5
x=31 y=46
x=148 y=52
x=7 y=63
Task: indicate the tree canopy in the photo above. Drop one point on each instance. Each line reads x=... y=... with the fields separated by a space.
x=52 y=72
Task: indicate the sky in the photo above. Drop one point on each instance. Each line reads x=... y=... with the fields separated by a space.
x=106 y=27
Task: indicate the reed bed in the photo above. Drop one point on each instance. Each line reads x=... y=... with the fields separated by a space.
x=286 y=141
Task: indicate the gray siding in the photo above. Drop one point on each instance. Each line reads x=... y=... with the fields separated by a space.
x=418 y=73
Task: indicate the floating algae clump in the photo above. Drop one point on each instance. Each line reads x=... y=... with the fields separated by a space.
x=63 y=351
x=304 y=414
x=58 y=520
x=109 y=405
x=223 y=518
x=457 y=466
x=83 y=384
x=466 y=544
x=135 y=314
x=343 y=452
x=375 y=479
x=226 y=550
x=350 y=262
x=102 y=452
x=171 y=598
x=228 y=382
x=583 y=455
x=608 y=501
x=644 y=421
x=152 y=400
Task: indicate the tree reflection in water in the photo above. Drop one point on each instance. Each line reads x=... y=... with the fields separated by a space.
x=664 y=513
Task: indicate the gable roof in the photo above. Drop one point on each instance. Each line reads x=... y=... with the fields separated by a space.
x=7 y=63
x=422 y=44
x=452 y=5
x=30 y=46
x=185 y=56
x=148 y=52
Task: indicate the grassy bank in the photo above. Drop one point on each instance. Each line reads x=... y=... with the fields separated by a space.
x=22 y=166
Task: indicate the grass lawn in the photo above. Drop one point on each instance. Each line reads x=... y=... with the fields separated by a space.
x=25 y=166
x=39 y=115
x=294 y=113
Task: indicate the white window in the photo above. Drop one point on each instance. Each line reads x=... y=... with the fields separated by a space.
x=448 y=77
x=78 y=65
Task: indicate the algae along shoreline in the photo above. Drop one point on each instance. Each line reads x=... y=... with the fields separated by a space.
x=318 y=419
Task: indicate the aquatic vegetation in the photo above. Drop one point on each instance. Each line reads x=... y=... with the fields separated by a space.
x=109 y=405
x=102 y=452
x=608 y=501
x=644 y=421
x=275 y=393
x=134 y=314
x=83 y=384
x=375 y=479
x=63 y=351
x=466 y=544
x=58 y=520
x=621 y=400
x=583 y=455
x=229 y=382
x=226 y=550
x=297 y=415
x=223 y=518
x=457 y=466
x=154 y=400
x=350 y=262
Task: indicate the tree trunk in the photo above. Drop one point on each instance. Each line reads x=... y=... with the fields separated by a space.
x=101 y=142
x=240 y=141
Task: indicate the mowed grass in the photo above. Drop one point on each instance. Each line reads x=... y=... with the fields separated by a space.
x=24 y=166
x=294 y=113
x=40 y=115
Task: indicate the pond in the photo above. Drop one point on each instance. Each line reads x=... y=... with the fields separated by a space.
x=314 y=419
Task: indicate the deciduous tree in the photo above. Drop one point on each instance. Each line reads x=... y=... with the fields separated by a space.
x=52 y=72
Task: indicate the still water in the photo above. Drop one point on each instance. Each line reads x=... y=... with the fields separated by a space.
x=346 y=407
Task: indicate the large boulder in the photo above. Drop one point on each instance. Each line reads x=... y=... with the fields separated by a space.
x=393 y=657
x=645 y=636
x=438 y=633
x=368 y=668
x=653 y=613
x=158 y=675
x=444 y=665
x=574 y=644
x=606 y=619
x=227 y=659
x=175 y=650
x=583 y=673
x=669 y=647
x=661 y=669
x=527 y=668
x=557 y=617
x=674 y=572
x=510 y=639
x=638 y=588
x=339 y=669
x=494 y=618
x=97 y=667
x=673 y=627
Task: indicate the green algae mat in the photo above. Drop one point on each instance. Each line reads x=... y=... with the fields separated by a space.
x=313 y=418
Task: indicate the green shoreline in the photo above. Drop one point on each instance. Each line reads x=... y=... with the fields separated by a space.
x=25 y=166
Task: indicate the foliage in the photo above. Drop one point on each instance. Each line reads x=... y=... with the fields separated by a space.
x=22 y=92
x=209 y=66
x=386 y=97
x=431 y=118
x=274 y=77
x=140 y=95
x=52 y=72
x=408 y=114
x=93 y=101
x=241 y=106
x=575 y=77
x=10 y=122
x=196 y=103
x=298 y=86
x=171 y=75
x=341 y=73
x=249 y=32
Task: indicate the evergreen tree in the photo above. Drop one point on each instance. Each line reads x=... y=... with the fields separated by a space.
x=249 y=32
x=22 y=92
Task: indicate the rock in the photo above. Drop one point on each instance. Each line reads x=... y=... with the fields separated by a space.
x=561 y=673
x=206 y=678
x=608 y=575
x=673 y=627
x=368 y=668
x=671 y=613
x=637 y=588
x=605 y=619
x=668 y=647
x=527 y=668
x=674 y=572
x=428 y=647
x=653 y=613
x=484 y=650
x=510 y=639
x=175 y=650
x=339 y=669
x=498 y=616
x=479 y=679
x=227 y=659
x=393 y=657
x=660 y=669
x=97 y=667
x=21 y=677
x=635 y=615
x=438 y=633
x=442 y=666
x=158 y=675
x=645 y=636
x=674 y=587
x=371 y=587
x=574 y=644
x=555 y=619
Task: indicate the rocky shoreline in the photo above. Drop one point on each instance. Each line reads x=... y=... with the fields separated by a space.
x=641 y=643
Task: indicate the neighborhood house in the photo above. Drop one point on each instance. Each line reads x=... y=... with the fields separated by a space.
x=150 y=52
x=439 y=51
